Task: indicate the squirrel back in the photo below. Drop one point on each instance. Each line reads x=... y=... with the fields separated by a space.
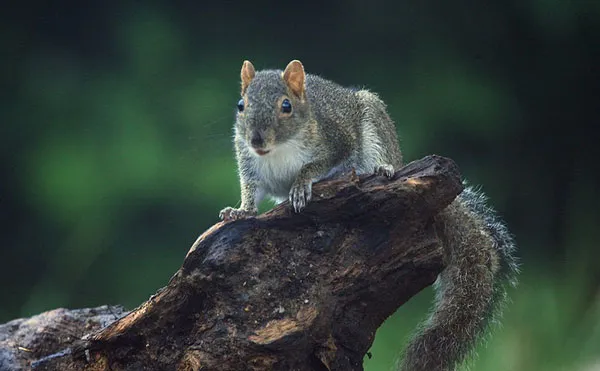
x=293 y=128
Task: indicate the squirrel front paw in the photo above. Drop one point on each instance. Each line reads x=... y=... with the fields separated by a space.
x=385 y=169
x=300 y=194
x=230 y=213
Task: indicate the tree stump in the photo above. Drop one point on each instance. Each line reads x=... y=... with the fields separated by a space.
x=281 y=291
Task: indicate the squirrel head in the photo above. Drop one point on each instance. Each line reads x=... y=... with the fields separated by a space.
x=273 y=109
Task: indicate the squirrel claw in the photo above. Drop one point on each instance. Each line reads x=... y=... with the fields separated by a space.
x=230 y=213
x=385 y=169
x=300 y=194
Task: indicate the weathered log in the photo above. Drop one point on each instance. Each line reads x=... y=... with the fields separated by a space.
x=281 y=291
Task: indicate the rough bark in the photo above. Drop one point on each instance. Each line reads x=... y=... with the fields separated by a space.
x=275 y=292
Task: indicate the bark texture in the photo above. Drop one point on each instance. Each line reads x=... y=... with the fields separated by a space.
x=281 y=291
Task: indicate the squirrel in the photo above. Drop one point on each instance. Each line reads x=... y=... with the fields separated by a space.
x=294 y=128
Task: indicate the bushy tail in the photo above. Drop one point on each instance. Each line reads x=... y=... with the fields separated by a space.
x=471 y=290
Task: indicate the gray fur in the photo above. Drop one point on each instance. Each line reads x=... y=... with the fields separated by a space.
x=333 y=129
x=471 y=291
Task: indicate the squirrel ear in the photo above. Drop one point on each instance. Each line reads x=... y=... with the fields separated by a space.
x=247 y=75
x=294 y=77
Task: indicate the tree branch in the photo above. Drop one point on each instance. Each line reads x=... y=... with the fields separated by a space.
x=275 y=292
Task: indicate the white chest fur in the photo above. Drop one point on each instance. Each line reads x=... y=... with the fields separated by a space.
x=278 y=169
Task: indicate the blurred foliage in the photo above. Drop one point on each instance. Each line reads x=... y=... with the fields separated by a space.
x=116 y=150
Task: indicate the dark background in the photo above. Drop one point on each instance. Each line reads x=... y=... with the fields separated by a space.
x=116 y=151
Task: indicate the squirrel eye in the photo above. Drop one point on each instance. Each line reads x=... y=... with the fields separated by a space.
x=286 y=106
x=240 y=105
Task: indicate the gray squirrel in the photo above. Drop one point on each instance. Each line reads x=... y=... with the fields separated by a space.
x=293 y=129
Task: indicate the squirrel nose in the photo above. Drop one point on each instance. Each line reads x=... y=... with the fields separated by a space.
x=257 y=140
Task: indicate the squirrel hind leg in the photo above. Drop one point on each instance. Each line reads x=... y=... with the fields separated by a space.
x=384 y=169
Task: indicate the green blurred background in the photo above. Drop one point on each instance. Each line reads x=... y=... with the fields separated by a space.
x=116 y=125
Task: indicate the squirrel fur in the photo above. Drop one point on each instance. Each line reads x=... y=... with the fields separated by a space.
x=293 y=129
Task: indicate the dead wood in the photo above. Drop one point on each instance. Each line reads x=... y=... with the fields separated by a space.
x=275 y=292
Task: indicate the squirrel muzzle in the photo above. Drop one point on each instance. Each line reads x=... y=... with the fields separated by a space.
x=257 y=141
